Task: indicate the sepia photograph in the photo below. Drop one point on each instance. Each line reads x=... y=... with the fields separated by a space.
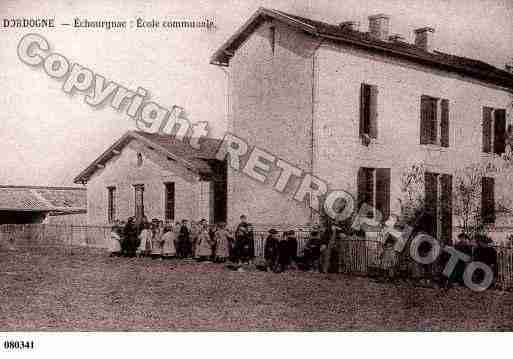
x=284 y=167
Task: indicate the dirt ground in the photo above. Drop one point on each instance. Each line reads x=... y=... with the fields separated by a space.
x=50 y=291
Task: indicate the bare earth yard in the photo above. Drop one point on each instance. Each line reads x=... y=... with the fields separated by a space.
x=85 y=291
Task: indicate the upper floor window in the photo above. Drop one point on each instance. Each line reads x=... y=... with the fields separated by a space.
x=369 y=111
x=434 y=121
x=111 y=204
x=272 y=38
x=494 y=130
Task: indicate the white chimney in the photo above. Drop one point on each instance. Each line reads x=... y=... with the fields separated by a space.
x=379 y=26
x=424 y=38
x=509 y=66
x=350 y=25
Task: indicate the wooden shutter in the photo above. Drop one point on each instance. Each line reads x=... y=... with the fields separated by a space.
x=373 y=111
x=488 y=200
x=365 y=186
x=364 y=109
x=427 y=120
x=383 y=191
x=446 y=208
x=431 y=201
x=170 y=201
x=487 y=129
x=444 y=124
x=499 y=133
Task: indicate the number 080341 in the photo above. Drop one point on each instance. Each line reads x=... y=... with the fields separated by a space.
x=18 y=344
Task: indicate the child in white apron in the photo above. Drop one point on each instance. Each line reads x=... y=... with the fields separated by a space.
x=145 y=244
x=169 y=242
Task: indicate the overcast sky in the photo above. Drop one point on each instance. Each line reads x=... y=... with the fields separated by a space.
x=48 y=137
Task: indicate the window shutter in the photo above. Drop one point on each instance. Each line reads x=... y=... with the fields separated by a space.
x=431 y=200
x=373 y=111
x=446 y=208
x=499 y=143
x=488 y=200
x=365 y=186
x=364 y=109
x=383 y=191
x=487 y=129
x=427 y=120
x=444 y=124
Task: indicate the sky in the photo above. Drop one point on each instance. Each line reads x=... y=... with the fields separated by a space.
x=47 y=136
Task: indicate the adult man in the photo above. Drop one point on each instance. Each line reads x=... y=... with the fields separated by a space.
x=271 y=250
x=184 y=242
x=130 y=238
x=244 y=244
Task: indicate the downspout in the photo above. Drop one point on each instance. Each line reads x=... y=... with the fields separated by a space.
x=313 y=99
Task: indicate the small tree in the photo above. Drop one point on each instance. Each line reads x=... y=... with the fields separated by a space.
x=411 y=201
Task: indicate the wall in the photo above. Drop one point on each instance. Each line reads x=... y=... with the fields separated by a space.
x=341 y=70
x=271 y=99
x=123 y=173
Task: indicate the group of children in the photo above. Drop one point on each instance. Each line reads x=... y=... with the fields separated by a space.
x=167 y=240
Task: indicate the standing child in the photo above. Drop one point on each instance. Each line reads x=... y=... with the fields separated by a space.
x=114 y=243
x=158 y=232
x=204 y=245
x=169 y=242
x=222 y=239
x=145 y=237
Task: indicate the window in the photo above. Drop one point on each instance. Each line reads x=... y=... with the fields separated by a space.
x=369 y=111
x=434 y=121
x=374 y=189
x=139 y=202
x=111 y=204
x=494 y=130
x=437 y=219
x=169 y=201
x=488 y=200
x=272 y=38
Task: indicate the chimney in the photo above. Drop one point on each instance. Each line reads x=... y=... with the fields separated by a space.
x=350 y=25
x=424 y=38
x=396 y=38
x=509 y=66
x=379 y=26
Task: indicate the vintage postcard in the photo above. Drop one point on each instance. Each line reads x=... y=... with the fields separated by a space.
x=241 y=166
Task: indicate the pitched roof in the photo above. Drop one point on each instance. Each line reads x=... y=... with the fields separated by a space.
x=45 y=199
x=196 y=160
x=462 y=65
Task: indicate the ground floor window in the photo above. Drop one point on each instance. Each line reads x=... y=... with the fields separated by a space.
x=139 y=202
x=169 y=201
x=437 y=219
x=111 y=204
x=374 y=189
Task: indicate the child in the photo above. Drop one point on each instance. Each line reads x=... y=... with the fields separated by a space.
x=222 y=239
x=145 y=237
x=158 y=232
x=114 y=243
x=204 y=245
x=169 y=242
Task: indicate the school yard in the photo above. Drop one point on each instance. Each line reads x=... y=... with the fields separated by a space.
x=54 y=290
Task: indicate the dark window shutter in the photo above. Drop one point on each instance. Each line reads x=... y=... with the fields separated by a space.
x=499 y=142
x=487 y=129
x=446 y=208
x=383 y=191
x=365 y=186
x=444 y=124
x=365 y=94
x=427 y=120
x=488 y=200
x=431 y=201
x=373 y=112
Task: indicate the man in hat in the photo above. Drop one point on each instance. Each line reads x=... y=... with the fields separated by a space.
x=244 y=244
x=312 y=249
x=271 y=250
x=292 y=248
x=486 y=254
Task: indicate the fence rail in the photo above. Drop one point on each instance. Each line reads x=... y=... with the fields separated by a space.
x=353 y=255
